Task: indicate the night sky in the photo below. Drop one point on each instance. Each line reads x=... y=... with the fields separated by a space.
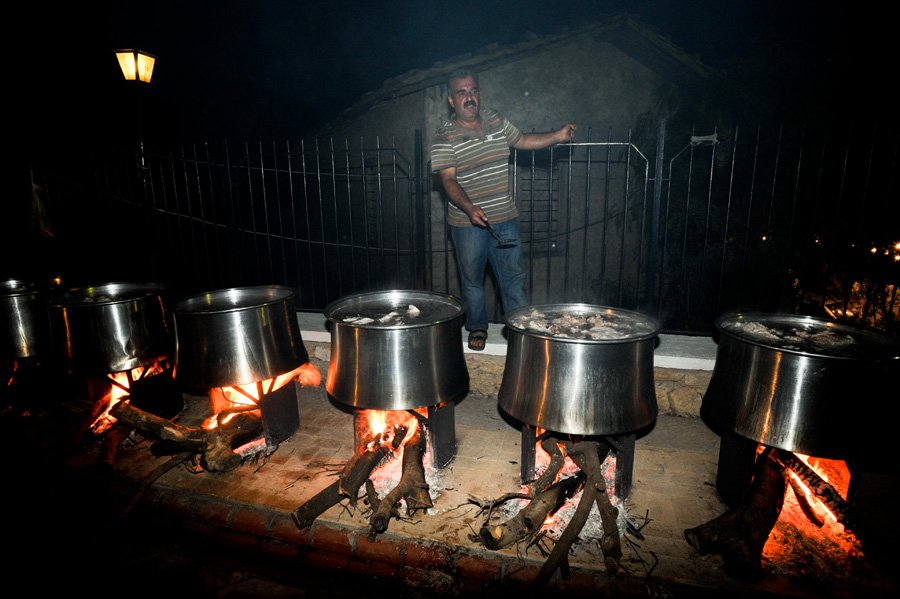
x=280 y=68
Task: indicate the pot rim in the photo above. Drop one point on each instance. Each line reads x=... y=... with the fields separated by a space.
x=397 y=294
x=879 y=345
x=119 y=293
x=583 y=308
x=14 y=287
x=201 y=303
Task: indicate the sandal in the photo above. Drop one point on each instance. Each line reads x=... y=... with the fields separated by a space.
x=478 y=339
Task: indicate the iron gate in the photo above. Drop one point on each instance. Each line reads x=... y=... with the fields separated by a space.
x=789 y=219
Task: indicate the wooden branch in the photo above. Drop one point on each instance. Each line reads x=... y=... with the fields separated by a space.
x=586 y=457
x=215 y=446
x=307 y=513
x=413 y=487
x=185 y=437
x=531 y=518
x=371 y=455
x=805 y=506
x=557 y=461
x=355 y=473
x=219 y=454
x=820 y=488
x=739 y=534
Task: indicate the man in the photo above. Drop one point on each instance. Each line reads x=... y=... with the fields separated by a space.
x=470 y=153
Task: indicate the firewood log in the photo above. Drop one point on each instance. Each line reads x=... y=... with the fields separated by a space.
x=355 y=473
x=215 y=446
x=412 y=487
x=586 y=457
x=531 y=518
x=740 y=534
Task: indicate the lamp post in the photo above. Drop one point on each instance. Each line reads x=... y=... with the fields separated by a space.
x=137 y=66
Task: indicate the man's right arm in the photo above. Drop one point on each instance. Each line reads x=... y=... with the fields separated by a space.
x=459 y=198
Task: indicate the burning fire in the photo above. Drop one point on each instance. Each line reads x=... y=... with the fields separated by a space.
x=796 y=528
x=560 y=518
x=121 y=387
x=240 y=398
x=378 y=428
x=380 y=425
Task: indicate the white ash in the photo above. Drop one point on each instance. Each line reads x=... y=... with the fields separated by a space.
x=574 y=325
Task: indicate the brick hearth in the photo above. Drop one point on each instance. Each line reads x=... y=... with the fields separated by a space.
x=247 y=512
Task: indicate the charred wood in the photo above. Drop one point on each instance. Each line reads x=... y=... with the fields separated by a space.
x=219 y=454
x=307 y=513
x=412 y=488
x=557 y=461
x=355 y=473
x=739 y=534
x=215 y=446
x=186 y=437
x=373 y=453
x=805 y=506
x=586 y=457
x=530 y=518
x=820 y=488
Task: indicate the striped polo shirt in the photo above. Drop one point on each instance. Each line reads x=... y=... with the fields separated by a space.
x=482 y=165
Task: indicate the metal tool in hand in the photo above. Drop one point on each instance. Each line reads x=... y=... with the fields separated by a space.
x=501 y=243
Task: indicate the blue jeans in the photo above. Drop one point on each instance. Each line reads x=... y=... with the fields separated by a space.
x=475 y=247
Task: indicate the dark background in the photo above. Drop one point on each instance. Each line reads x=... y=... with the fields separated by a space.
x=278 y=69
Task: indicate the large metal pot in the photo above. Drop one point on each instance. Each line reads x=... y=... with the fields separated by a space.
x=23 y=319
x=575 y=381
x=236 y=336
x=111 y=327
x=396 y=350
x=801 y=383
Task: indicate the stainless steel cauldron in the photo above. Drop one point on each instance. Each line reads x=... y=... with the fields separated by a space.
x=23 y=320
x=801 y=383
x=111 y=327
x=236 y=336
x=396 y=350
x=580 y=369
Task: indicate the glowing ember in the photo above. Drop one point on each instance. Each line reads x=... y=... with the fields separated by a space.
x=556 y=522
x=379 y=428
x=241 y=398
x=120 y=387
x=798 y=542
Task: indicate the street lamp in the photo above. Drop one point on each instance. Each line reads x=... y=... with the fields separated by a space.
x=136 y=64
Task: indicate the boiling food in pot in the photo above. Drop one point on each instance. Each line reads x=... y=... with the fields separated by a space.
x=574 y=325
x=811 y=338
x=394 y=317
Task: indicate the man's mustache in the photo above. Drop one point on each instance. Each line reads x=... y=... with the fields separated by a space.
x=469 y=103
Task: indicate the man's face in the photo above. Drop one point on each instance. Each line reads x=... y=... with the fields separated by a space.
x=464 y=98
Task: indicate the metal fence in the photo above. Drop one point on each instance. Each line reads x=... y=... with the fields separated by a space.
x=684 y=225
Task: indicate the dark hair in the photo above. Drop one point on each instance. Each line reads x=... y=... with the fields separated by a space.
x=459 y=74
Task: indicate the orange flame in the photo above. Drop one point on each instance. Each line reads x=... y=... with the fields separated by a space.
x=248 y=395
x=120 y=388
x=832 y=538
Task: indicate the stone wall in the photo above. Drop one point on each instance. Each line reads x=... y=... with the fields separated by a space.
x=678 y=392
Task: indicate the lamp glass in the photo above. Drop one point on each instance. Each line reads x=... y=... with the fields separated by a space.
x=136 y=65
x=145 y=64
x=127 y=64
